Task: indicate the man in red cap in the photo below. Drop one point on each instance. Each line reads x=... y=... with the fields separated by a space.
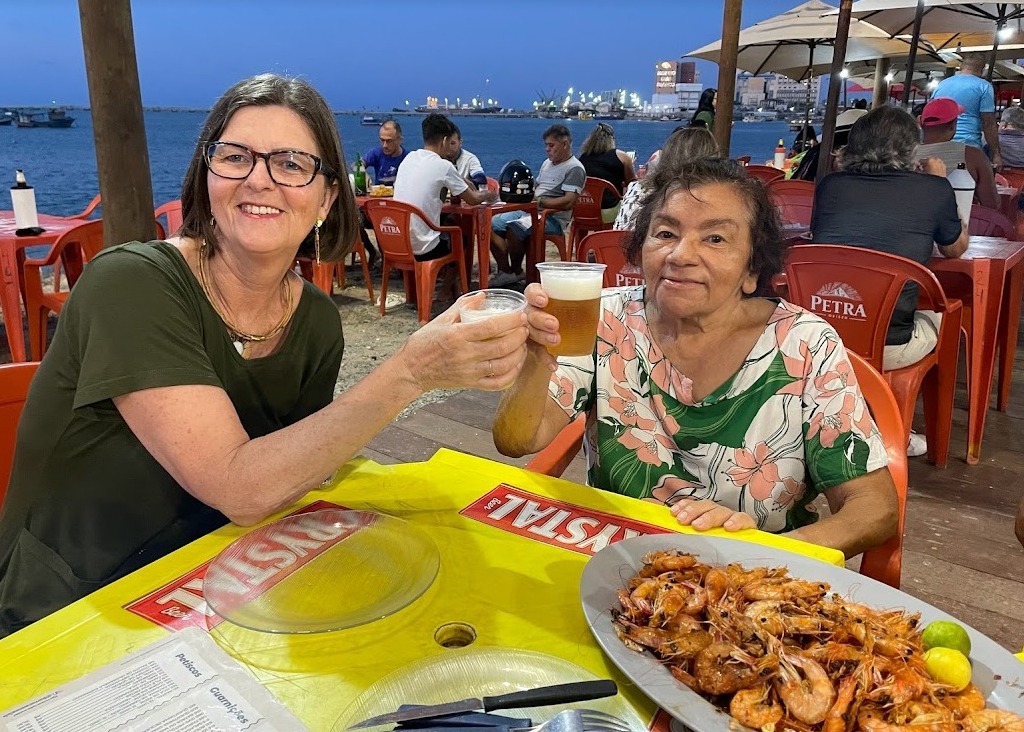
x=938 y=123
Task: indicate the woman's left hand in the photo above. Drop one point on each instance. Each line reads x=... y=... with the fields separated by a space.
x=704 y=514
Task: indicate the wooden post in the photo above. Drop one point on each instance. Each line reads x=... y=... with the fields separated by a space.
x=727 y=73
x=828 y=127
x=119 y=133
x=880 y=93
x=915 y=38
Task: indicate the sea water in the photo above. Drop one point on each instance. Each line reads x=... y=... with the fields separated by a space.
x=61 y=163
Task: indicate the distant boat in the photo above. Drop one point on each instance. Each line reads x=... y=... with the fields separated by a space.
x=6 y=118
x=369 y=119
x=55 y=117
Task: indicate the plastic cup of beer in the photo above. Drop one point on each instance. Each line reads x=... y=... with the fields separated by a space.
x=485 y=304
x=574 y=297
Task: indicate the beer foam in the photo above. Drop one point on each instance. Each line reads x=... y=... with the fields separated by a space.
x=489 y=310
x=582 y=286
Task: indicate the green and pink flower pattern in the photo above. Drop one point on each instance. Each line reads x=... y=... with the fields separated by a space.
x=789 y=425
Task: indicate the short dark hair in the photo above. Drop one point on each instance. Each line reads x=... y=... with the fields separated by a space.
x=768 y=247
x=394 y=124
x=860 y=104
x=340 y=229
x=559 y=132
x=436 y=127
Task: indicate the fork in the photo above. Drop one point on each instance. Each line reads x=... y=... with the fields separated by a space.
x=578 y=720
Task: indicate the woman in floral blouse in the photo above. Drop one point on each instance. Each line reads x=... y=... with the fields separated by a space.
x=735 y=410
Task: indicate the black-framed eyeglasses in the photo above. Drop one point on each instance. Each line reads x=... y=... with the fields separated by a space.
x=292 y=168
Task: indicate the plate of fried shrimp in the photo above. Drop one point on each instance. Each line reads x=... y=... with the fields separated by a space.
x=722 y=633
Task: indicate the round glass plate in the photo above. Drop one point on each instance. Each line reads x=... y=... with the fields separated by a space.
x=321 y=571
x=474 y=672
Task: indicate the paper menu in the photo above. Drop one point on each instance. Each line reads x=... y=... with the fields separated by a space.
x=182 y=683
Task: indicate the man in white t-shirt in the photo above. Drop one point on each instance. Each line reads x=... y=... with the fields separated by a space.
x=424 y=179
x=466 y=162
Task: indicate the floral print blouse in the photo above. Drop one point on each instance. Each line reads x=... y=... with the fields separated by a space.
x=786 y=427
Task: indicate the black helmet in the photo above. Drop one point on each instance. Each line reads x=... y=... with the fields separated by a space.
x=515 y=182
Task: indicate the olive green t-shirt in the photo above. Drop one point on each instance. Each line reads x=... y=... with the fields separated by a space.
x=86 y=502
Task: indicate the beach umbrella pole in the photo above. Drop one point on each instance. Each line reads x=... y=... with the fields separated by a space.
x=992 y=58
x=727 y=73
x=119 y=132
x=915 y=38
x=828 y=127
x=881 y=89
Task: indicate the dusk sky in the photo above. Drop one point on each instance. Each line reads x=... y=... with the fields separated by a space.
x=373 y=54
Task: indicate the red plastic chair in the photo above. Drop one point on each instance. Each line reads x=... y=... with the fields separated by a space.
x=14 y=382
x=1013 y=176
x=884 y=563
x=586 y=214
x=560 y=241
x=855 y=289
x=606 y=247
x=87 y=211
x=765 y=173
x=325 y=274
x=794 y=199
x=171 y=211
x=74 y=248
x=989 y=222
x=391 y=223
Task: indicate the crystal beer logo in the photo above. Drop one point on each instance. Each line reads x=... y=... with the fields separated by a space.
x=388 y=226
x=840 y=300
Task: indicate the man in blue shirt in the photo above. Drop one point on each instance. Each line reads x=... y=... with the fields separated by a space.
x=977 y=98
x=385 y=158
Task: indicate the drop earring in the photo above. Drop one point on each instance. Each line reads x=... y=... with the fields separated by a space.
x=316 y=239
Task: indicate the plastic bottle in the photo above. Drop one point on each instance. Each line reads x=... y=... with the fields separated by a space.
x=360 y=176
x=780 y=154
x=963 y=186
x=23 y=200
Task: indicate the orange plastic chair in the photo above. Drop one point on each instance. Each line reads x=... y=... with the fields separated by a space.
x=989 y=222
x=325 y=274
x=171 y=211
x=1013 y=177
x=764 y=173
x=794 y=199
x=884 y=563
x=14 y=382
x=74 y=248
x=559 y=240
x=586 y=214
x=606 y=247
x=855 y=289
x=391 y=222
x=87 y=211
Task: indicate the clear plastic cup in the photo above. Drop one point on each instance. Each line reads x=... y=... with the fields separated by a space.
x=473 y=307
x=574 y=297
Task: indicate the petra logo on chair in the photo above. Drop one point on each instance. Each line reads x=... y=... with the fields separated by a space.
x=389 y=226
x=840 y=300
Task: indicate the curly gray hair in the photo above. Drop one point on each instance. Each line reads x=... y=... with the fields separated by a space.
x=883 y=140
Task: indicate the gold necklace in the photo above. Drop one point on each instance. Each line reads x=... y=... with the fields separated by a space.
x=239 y=337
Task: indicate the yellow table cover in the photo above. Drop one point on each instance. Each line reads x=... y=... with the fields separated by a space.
x=513 y=545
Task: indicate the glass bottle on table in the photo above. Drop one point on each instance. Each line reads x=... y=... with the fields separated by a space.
x=360 y=176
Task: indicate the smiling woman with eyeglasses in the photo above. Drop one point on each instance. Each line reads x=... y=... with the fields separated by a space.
x=190 y=381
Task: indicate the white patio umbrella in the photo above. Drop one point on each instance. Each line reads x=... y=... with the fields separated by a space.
x=802 y=38
x=947 y=23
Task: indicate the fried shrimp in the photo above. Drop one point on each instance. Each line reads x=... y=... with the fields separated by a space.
x=754 y=707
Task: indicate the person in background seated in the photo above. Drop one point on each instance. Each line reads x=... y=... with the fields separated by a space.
x=556 y=188
x=601 y=159
x=938 y=124
x=386 y=158
x=1011 y=137
x=733 y=409
x=807 y=168
x=806 y=139
x=854 y=207
x=704 y=115
x=466 y=163
x=977 y=97
x=191 y=381
x=424 y=179
x=684 y=145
